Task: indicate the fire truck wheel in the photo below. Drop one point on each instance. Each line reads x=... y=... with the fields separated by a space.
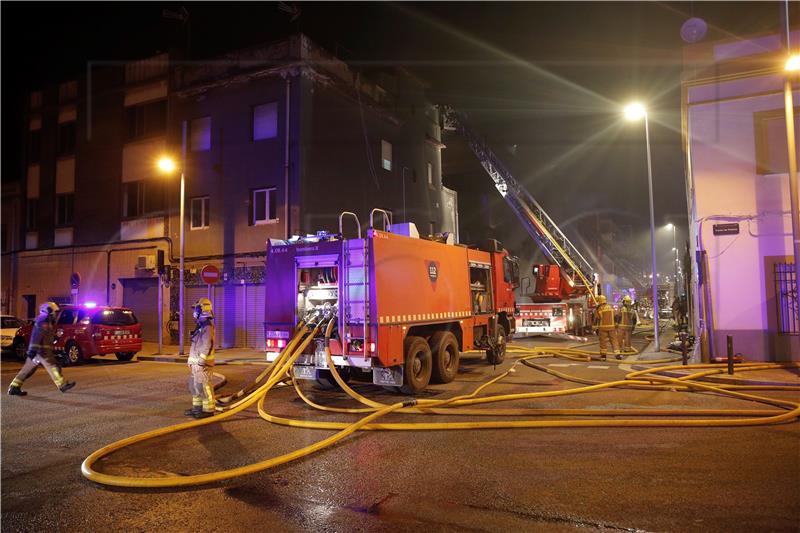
x=325 y=379
x=444 y=347
x=496 y=356
x=418 y=365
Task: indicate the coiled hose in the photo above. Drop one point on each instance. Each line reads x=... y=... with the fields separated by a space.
x=458 y=405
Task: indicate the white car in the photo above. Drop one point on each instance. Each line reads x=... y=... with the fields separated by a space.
x=9 y=339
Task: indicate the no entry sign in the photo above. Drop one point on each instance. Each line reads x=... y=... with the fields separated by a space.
x=209 y=274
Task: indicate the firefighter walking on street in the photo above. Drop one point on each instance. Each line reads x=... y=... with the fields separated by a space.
x=201 y=361
x=626 y=320
x=606 y=329
x=40 y=352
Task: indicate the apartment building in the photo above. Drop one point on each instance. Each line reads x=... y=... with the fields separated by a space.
x=278 y=140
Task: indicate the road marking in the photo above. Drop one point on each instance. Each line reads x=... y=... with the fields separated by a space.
x=598 y=366
x=560 y=364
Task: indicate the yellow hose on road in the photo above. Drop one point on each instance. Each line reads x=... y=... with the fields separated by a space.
x=373 y=410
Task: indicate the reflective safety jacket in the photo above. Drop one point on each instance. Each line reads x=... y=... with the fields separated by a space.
x=626 y=317
x=42 y=337
x=201 y=351
x=604 y=317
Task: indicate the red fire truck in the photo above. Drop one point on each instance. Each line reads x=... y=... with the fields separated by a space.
x=407 y=305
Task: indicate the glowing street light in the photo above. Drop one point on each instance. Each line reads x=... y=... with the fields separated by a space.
x=167 y=165
x=793 y=63
x=634 y=112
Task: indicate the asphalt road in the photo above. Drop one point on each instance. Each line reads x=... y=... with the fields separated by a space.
x=635 y=479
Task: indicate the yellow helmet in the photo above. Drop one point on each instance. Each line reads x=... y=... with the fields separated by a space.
x=627 y=300
x=601 y=299
x=202 y=308
x=48 y=308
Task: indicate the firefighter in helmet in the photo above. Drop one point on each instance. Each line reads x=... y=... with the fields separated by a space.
x=626 y=320
x=606 y=329
x=40 y=352
x=201 y=361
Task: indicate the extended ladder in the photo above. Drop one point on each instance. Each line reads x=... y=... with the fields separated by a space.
x=552 y=241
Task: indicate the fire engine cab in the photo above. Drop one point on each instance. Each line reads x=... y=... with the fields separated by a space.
x=406 y=306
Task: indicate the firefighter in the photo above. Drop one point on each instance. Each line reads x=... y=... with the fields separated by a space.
x=626 y=320
x=201 y=361
x=40 y=352
x=606 y=329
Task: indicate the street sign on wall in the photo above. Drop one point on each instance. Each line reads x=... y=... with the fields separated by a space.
x=726 y=229
x=209 y=274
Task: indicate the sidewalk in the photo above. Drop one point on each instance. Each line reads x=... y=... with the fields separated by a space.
x=781 y=377
x=169 y=354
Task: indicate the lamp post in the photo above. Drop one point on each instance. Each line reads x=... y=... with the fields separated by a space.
x=674 y=249
x=167 y=165
x=792 y=68
x=637 y=111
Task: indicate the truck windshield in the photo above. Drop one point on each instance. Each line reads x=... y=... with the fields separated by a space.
x=114 y=317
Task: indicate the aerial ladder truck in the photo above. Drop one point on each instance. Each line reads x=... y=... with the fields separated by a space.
x=561 y=289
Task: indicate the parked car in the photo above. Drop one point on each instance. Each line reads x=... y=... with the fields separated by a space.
x=87 y=330
x=14 y=340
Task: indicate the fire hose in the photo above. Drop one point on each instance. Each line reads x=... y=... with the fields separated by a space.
x=281 y=370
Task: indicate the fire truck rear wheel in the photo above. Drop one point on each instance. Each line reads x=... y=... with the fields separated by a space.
x=444 y=348
x=325 y=379
x=495 y=356
x=418 y=365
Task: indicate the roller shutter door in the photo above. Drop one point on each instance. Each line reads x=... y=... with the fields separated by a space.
x=141 y=295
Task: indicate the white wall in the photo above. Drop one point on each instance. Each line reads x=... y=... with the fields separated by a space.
x=723 y=162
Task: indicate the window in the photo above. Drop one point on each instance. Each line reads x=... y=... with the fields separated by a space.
x=67 y=317
x=145 y=120
x=31 y=214
x=34 y=146
x=66 y=138
x=142 y=198
x=265 y=121
x=201 y=134
x=772 y=154
x=114 y=317
x=200 y=213
x=430 y=174
x=264 y=206
x=386 y=155
x=65 y=204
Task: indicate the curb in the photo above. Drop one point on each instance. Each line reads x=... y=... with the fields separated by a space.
x=725 y=380
x=184 y=359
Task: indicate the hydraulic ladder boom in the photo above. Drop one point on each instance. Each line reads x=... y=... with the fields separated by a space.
x=555 y=245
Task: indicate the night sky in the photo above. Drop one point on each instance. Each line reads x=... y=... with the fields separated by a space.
x=544 y=81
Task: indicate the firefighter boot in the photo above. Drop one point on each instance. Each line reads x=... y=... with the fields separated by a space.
x=203 y=414
x=66 y=386
x=14 y=390
x=194 y=411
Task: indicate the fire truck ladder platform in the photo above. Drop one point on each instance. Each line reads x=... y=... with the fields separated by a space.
x=281 y=370
x=552 y=241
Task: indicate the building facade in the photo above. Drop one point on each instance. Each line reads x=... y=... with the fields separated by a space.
x=274 y=140
x=738 y=197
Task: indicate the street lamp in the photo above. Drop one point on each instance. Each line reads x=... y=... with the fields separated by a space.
x=792 y=67
x=671 y=226
x=168 y=165
x=637 y=111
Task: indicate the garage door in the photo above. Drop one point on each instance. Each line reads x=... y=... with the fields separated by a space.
x=141 y=295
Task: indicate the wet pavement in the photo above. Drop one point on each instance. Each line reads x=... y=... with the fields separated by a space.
x=552 y=479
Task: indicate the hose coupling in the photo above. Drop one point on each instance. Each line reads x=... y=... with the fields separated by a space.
x=410 y=402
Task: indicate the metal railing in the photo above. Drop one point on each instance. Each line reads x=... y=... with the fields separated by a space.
x=786 y=299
